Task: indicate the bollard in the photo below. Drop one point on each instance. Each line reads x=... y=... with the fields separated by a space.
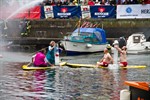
x=125 y=94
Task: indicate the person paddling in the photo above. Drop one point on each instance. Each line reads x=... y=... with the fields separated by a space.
x=106 y=60
x=123 y=55
x=39 y=59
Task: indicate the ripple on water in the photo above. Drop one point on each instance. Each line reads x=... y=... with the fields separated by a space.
x=66 y=83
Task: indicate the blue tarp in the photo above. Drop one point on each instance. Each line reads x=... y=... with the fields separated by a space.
x=98 y=32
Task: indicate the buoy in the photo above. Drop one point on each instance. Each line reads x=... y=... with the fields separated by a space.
x=88 y=45
x=125 y=94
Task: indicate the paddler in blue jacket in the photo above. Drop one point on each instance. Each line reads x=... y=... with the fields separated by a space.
x=50 y=56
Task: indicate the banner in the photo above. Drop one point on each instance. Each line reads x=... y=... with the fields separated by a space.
x=133 y=11
x=85 y=12
x=48 y=11
x=103 y=11
x=32 y=13
x=66 y=11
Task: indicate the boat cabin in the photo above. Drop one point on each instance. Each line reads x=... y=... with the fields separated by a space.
x=137 y=38
x=89 y=35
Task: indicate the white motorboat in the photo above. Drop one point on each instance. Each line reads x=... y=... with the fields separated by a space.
x=136 y=43
x=85 y=40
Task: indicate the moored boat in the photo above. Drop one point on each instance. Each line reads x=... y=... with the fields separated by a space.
x=84 y=41
x=137 y=43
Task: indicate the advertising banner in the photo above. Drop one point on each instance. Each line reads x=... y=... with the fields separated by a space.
x=85 y=12
x=103 y=11
x=67 y=11
x=48 y=11
x=133 y=11
x=32 y=13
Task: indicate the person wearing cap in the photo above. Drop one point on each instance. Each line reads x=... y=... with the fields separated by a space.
x=123 y=55
x=106 y=60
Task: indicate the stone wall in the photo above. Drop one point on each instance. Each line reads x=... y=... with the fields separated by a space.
x=51 y=28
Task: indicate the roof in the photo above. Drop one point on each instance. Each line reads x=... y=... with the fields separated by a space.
x=90 y=30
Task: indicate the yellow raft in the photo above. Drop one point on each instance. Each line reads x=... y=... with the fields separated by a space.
x=94 y=66
x=31 y=67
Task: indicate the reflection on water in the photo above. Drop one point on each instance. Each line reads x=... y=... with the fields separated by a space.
x=67 y=83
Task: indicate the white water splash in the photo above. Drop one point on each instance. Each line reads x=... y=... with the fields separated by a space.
x=28 y=5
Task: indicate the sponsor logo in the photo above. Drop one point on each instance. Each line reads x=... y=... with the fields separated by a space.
x=85 y=9
x=101 y=9
x=129 y=10
x=48 y=9
x=64 y=10
x=101 y=12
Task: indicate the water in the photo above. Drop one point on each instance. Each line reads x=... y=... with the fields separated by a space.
x=67 y=83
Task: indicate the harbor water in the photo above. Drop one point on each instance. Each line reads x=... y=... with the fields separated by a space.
x=64 y=83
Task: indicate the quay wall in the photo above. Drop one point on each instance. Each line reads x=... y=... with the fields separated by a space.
x=51 y=29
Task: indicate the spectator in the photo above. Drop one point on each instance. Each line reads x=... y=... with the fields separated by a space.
x=65 y=2
x=59 y=3
x=84 y=3
x=97 y=2
x=75 y=3
x=52 y=2
x=91 y=3
x=145 y=1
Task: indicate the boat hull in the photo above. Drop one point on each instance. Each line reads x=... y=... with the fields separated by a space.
x=76 y=48
x=137 y=43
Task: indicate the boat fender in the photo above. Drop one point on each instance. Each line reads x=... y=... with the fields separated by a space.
x=88 y=45
x=125 y=94
x=75 y=45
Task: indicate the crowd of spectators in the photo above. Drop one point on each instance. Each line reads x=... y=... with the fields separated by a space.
x=93 y=2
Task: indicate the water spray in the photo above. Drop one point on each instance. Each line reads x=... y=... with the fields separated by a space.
x=24 y=7
x=115 y=56
x=5 y=27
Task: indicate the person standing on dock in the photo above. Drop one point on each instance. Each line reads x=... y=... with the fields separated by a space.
x=50 y=56
x=123 y=55
x=106 y=60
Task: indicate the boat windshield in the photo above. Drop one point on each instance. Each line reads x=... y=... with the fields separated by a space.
x=98 y=35
x=82 y=34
